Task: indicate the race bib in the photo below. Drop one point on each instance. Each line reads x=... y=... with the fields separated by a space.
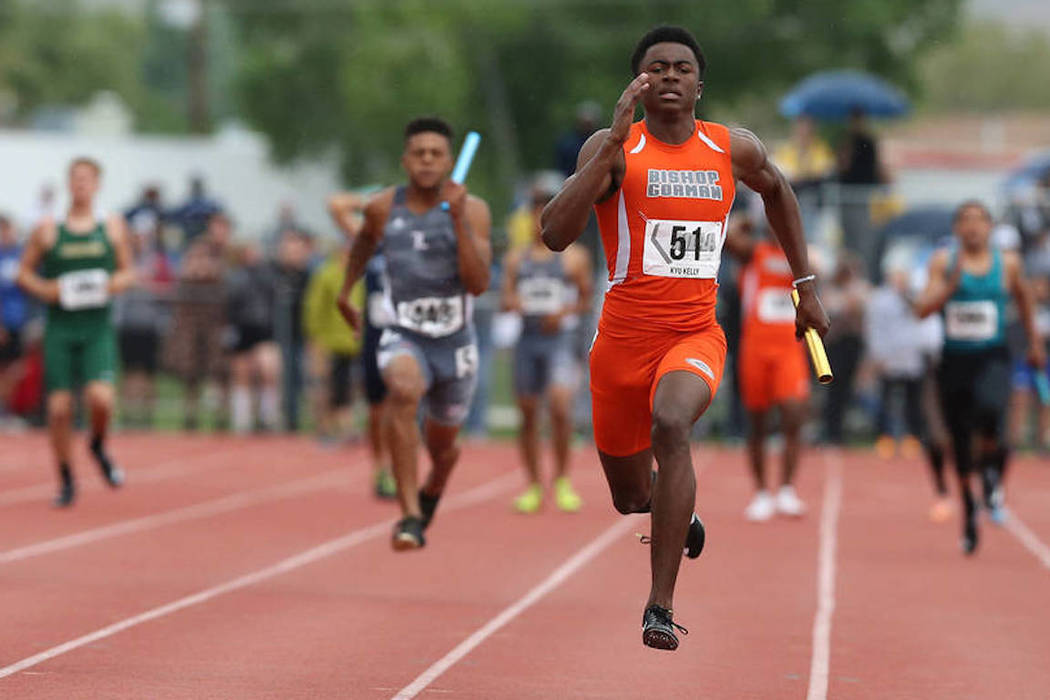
x=84 y=289
x=971 y=320
x=687 y=249
x=541 y=296
x=775 y=306
x=431 y=316
x=379 y=314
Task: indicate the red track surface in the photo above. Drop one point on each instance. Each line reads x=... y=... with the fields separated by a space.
x=912 y=618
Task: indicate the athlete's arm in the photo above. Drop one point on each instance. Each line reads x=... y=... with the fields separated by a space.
x=939 y=287
x=509 y=300
x=361 y=251
x=345 y=209
x=752 y=166
x=40 y=241
x=1022 y=294
x=472 y=222
x=124 y=274
x=599 y=173
x=739 y=241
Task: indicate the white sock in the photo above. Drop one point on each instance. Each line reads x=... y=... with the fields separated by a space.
x=270 y=408
x=241 y=409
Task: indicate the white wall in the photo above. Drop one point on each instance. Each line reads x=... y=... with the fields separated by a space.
x=234 y=163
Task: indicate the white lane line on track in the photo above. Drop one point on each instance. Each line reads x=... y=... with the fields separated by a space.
x=176 y=467
x=326 y=549
x=1028 y=538
x=557 y=577
x=820 y=662
x=197 y=511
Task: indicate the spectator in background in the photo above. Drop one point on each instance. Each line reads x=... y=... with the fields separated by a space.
x=291 y=275
x=898 y=344
x=860 y=171
x=522 y=221
x=334 y=346
x=255 y=359
x=139 y=316
x=1024 y=401
x=195 y=348
x=195 y=213
x=859 y=159
x=845 y=298
x=807 y=161
x=14 y=313
x=569 y=144
x=146 y=218
x=1032 y=215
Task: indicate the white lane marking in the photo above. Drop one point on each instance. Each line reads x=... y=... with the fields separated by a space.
x=558 y=577
x=197 y=511
x=326 y=549
x=1028 y=538
x=177 y=467
x=829 y=517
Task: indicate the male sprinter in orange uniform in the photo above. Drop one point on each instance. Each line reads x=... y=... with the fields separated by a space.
x=772 y=365
x=662 y=188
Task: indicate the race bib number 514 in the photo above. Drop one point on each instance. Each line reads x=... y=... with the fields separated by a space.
x=688 y=249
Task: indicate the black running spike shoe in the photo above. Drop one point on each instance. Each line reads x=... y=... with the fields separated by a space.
x=658 y=628
x=427 y=505
x=969 y=538
x=67 y=493
x=113 y=474
x=694 y=538
x=408 y=534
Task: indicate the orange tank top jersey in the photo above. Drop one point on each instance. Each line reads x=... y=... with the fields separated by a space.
x=663 y=230
x=765 y=290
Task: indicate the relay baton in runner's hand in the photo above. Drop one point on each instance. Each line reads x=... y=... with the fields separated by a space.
x=463 y=161
x=815 y=345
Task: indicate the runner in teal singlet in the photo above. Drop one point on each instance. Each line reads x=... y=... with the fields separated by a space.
x=970 y=287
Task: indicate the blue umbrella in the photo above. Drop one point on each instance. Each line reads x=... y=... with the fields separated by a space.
x=833 y=95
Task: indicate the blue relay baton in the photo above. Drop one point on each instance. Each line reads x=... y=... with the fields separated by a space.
x=463 y=161
x=1042 y=387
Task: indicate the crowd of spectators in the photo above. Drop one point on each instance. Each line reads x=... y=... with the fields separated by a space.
x=240 y=332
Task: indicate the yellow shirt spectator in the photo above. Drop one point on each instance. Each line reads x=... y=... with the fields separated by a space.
x=323 y=323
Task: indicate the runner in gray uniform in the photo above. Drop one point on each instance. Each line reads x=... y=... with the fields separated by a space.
x=550 y=291
x=436 y=260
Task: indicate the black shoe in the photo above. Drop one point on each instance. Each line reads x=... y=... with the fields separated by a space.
x=113 y=474
x=991 y=488
x=694 y=539
x=969 y=538
x=427 y=505
x=658 y=629
x=67 y=493
x=408 y=534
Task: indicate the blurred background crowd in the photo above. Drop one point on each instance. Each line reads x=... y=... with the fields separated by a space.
x=224 y=125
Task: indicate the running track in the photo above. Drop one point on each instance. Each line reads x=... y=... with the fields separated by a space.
x=261 y=568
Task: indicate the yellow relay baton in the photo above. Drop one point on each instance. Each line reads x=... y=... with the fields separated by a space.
x=817 y=354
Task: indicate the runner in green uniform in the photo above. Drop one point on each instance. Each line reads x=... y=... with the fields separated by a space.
x=75 y=267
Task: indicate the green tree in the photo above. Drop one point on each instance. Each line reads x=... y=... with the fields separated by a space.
x=350 y=72
x=990 y=68
x=60 y=53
